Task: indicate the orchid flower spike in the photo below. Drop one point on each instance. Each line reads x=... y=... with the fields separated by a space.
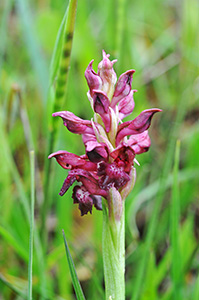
x=107 y=166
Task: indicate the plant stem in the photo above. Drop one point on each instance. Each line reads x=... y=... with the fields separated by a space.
x=32 y=166
x=113 y=255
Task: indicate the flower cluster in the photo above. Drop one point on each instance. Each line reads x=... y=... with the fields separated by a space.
x=110 y=144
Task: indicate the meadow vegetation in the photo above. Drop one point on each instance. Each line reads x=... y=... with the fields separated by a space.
x=159 y=39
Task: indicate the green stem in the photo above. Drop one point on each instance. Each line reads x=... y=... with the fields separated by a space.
x=32 y=165
x=113 y=255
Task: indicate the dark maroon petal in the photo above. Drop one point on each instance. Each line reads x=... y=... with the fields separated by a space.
x=126 y=105
x=138 y=125
x=70 y=160
x=140 y=143
x=93 y=186
x=93 y=79
x=67 y=183
x=88 y=179
x=112 y=175
x=97 y=201
x=99 y=153
x=95 y=151
x=123 y=87
x=74 y=123
x=124 y=156
x=82 y=196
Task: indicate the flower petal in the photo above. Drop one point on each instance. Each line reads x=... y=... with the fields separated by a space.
x=107 y=74
x=101 y=106
x=82 y=196
x=70 y=160
x=138 y=125
x=140 y=143
x=112 y=175
x=88 y=179
x=97 y=201
x=73 y=123
x=126 y=105
x=85 y=200
x=124 y=156
x=123 y=87
x=93 y=79
x=70 y=179
x=100 y=102
x=95 y=151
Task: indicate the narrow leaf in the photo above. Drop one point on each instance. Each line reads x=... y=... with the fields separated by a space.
x=176 y=268
x=32 y=170
x=12 y=241
x=76 y=283
x=57 y=50
x=12 y=287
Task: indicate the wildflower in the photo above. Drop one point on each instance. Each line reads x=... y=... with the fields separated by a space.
x=107 y=166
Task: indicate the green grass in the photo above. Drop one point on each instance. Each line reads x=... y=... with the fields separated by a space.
x=159 y=39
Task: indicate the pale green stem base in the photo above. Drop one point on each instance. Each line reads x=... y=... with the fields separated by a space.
x=113 y=249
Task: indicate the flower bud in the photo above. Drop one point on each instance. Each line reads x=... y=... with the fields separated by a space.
x=107 y=74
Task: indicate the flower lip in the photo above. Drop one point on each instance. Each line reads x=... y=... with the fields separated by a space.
x=81 y=195
x=85 y=200
x=111 y=175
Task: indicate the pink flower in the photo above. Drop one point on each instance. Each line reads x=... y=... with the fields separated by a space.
x=111 y=146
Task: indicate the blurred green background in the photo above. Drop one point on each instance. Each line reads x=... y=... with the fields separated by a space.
x=160 y=40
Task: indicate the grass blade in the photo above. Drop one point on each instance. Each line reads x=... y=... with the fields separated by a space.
x=64 y=62
x=76 y=284
x=12 y=287
x=11 y=240
x=57 y=50
x=32 y=170
x=24 y=202
x=176 y=267
x=56 y=98
x=196 y=289
x=4 y=31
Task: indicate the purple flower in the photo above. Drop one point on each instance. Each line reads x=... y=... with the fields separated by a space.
x=107 y=167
